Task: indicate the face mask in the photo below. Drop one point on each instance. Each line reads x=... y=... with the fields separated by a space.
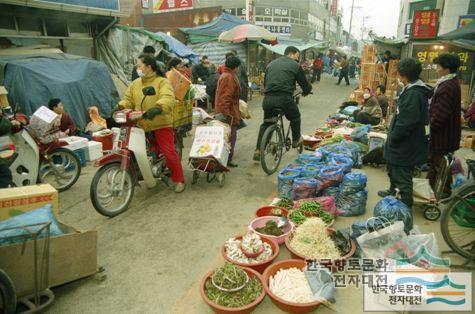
x=366 y=95
x=140 y=73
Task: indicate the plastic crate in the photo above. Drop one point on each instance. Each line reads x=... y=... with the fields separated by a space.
x=81 y=154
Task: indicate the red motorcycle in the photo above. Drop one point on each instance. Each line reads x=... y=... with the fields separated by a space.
x=136 y=158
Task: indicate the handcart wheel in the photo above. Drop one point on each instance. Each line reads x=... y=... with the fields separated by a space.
x=196 y=176
x=210 y=176
x=431 y=212
x=220 y=177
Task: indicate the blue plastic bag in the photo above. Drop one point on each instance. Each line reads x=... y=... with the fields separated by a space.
x=360 y=134
x=331 y=191
x=285 y=181
x=349 y=110
x=18 y=235
x=341 y=160
x=355 y=150
x=329 y=176
x=294 y=166
x=353 y=182
x=311 y=171
x=327 y=150
x=353 y=204
x=307 y=159
x=393 y=210
x=304 y=188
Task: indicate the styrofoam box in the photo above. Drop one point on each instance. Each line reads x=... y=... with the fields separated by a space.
x=94 y=150
x=75 y=142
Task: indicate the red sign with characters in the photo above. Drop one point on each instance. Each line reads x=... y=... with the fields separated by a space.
x=334 y=7
x=170 y=5
x=425 y=24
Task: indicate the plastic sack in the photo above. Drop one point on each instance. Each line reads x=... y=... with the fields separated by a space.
x=294 y=166
x=306 y=159
x=331 y=191
x=355 y=150
x=303 y=188
x=353 y=182
x=353 y=204
x=341 y=238
x=285 y=181
x=329 y=176
x=361 y=227
x=327 y=203
x=349 y=110
x=420 y=250
x=375 y=244
x=311 y=171
x=394 y=210
x=327 y=150
x=344 y=161
x=321 y=283
x=360 y=134
x=24 y=222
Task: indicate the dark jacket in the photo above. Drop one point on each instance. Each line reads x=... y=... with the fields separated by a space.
x=211 y=86
x=67 y=123
x=281 y=76
x=445 y=124
x=200 y=72
x=407 y=144
x=243 y=80
x=384 y=103
x=227 y=96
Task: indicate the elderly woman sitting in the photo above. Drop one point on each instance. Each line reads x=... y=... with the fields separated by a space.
x=369 y=111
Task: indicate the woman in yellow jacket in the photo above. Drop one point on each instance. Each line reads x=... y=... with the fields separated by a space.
x=158 y=116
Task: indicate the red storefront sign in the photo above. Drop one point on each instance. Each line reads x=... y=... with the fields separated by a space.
x=169 y=5
x=425 y=24
x=334 y=7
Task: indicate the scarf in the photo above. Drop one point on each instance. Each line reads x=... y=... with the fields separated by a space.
x=444 y=79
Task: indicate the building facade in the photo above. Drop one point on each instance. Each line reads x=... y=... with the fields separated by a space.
x=303 y=19
x=451 y=14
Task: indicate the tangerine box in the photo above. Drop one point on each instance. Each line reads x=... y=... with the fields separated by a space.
x=16 y=201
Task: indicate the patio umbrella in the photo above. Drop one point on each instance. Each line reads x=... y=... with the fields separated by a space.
x=245 y=32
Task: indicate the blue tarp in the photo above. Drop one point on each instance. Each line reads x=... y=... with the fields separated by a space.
x=212 y=30
x=79 y=83
x=98 y=4
x=178 y=48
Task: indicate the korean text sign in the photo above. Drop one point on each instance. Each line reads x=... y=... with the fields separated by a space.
x=425 y=24
x=170 y=5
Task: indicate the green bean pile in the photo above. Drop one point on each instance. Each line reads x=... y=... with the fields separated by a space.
x=285 y=203
x=310 y=209
x=229 y=277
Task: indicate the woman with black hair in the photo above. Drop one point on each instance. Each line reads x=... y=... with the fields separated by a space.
x=158 y=112
x=445 y=112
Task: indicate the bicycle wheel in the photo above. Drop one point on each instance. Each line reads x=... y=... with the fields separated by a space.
x=458 y=223
x=7 y=294
x=272 y=147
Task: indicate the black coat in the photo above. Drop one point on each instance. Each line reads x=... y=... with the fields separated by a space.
x=281 y=76
x=408 y=144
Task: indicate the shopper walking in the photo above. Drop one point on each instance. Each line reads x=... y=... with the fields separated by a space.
x=317 y=68
x=227 y=100
x=445 y=116
x=344 y=66
x=407 y=144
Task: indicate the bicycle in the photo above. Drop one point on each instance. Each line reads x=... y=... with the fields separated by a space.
x=458 y=220
x=275 y=139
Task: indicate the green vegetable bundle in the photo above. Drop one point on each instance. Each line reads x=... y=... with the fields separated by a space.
x=285 y=203
x=231 y=276
x=310 y=209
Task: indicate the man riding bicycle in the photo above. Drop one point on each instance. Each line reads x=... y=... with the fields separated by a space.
x=279 y=87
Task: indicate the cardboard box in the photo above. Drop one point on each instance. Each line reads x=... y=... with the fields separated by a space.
x=469 y=141
x=368 y=67
x=210 y=141
x=16 y=201
x=72 y=256
x=179 y=82
x=182 y=113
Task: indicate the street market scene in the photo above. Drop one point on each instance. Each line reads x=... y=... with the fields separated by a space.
x=237 y=156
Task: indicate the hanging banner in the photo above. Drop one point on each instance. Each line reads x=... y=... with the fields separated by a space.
x=334 y=7
x=249 y=10
x=160 y=6
x=425 y=24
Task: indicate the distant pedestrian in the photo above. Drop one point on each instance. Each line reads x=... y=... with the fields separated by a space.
x=317 y=68
x=344 y=66
x=445 y=116
x=201 y=71
x=382 y=99
x=407 y=143
x=227 y=100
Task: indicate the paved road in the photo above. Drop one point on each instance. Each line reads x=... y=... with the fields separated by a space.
x=156 y=253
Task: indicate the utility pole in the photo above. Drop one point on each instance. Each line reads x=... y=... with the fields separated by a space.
x=362 y=26
x=351 y=21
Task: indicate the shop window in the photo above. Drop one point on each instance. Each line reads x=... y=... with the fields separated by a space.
x=471 y=7
x=295 y=14
x=7 y=24
x=285 y=19
x=267 y=19
x=259 y=19
x=277 y=19
x=76 y=27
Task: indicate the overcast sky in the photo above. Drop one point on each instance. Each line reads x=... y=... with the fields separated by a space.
x=383 y=16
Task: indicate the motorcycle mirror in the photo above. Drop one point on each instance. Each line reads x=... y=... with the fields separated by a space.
x=148 y=91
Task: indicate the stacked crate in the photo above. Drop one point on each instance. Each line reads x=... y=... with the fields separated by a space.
x=372 y=73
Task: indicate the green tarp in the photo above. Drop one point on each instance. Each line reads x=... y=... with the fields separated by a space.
x=153 y=36
x=467 y=32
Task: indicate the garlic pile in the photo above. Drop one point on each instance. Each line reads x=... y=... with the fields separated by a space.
x=251 y=242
